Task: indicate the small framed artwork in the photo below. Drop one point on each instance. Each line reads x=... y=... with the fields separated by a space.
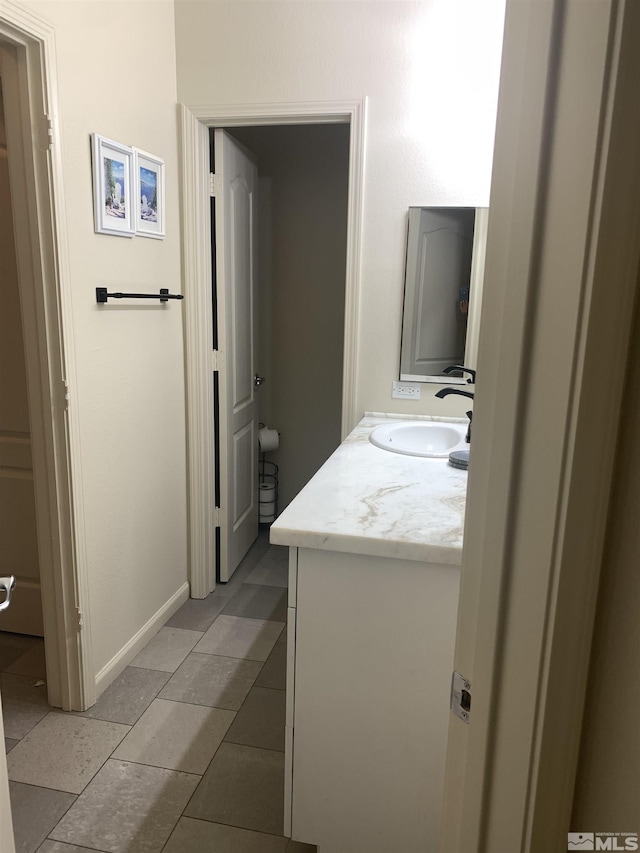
x=149 y=180
x=113 y=171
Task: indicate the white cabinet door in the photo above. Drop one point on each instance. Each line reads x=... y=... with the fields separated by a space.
x=373 y=643
x=235 y=241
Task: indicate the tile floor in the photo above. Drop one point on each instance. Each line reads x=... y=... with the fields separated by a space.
x=183 y=753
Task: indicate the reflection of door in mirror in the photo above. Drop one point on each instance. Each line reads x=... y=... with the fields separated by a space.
x=440 y=249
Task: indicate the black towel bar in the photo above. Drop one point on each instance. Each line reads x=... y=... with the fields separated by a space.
x=164 y=295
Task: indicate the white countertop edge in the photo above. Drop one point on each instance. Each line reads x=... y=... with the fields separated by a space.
x=435 y=418
x=421 y=552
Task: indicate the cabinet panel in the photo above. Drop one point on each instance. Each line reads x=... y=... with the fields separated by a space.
x=374 y=655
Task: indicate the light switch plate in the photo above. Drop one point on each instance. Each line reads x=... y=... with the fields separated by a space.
x=405 y=390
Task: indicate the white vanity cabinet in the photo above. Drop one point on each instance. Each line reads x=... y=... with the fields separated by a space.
x=375 y=544
x=370 y=655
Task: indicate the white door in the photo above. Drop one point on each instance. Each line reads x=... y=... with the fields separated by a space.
x=235 y=241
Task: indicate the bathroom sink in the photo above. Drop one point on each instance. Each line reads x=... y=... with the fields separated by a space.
x=419 y=438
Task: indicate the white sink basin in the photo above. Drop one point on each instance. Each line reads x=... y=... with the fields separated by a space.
x=419 y=438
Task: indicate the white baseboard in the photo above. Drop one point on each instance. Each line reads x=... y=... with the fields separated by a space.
x=119 y=661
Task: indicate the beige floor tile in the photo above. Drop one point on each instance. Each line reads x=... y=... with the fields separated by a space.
x=274 y=672
x=270 y=572
x=197 y=836
x=261 y=720
x=30 y=663
x=129 y=696
x=278 y=552
x=243 y=787
x=176 y=736
x=237 y=637
x=218 y=682
x=197 y=614
x=24 y=703
x=13 y=646
x=127 y=808
x=167 y=649
x=35 y=811
x=257 y=601
x=9 y=743
x=64 y=752
x=130 y=802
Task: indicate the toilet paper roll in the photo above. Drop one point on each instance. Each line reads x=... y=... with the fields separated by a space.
x=268 y=439
x=267 y=502
x=267 y=492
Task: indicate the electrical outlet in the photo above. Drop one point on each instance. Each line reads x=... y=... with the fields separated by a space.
x=405 y=390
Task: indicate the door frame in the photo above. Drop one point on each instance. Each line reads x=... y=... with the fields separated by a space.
x=46 y=299
x=7 y=844
x=561 y=281
x=196 y=122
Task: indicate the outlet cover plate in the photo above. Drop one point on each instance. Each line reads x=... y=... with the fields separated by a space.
x=405 y=390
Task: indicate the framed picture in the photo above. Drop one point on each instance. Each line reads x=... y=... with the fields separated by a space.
x=113 y=186
x=149 y=181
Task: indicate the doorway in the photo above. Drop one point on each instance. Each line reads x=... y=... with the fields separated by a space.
x=34 y=163
x=302 y=203
x=18 y=535
x=196 y=125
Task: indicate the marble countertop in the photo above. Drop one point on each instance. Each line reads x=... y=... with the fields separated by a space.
x=365 y=500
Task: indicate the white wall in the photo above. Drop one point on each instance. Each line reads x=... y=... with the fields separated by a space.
x=303 y=226
x=430 y=72
x=116 y=67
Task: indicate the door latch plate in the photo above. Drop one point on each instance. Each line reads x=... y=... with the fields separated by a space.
x=461 y=697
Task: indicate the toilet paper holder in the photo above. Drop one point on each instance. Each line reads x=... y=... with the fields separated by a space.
x=267 y=491
x=268 y=439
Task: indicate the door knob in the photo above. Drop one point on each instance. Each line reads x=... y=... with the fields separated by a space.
x=7 y=585
x=258 y=380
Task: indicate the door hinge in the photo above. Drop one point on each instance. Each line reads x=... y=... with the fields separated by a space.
x=217 y=360
x=45 y=132
x=80 y=619
x=461 y=697
x=217 y=517
x=214 y=184
x=63 y=395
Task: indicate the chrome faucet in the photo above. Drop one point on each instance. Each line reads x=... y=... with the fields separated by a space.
x=444 y=392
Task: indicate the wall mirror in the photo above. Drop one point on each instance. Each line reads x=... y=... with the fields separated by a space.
x=442 y=291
